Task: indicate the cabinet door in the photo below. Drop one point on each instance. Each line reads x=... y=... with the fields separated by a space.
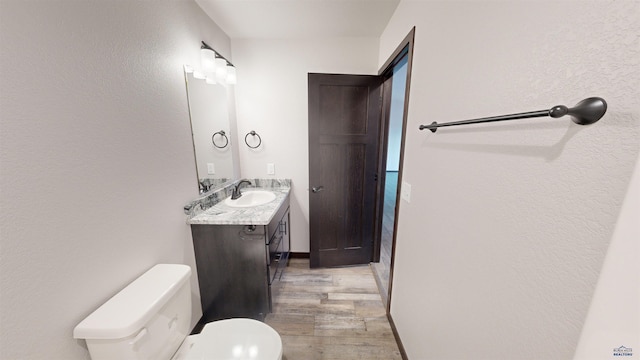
x=232 y=271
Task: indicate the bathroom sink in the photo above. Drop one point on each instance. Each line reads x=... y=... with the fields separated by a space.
x=251 y=198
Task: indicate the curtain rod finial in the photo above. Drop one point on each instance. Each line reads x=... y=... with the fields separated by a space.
x=588 y=111
x=558 y=111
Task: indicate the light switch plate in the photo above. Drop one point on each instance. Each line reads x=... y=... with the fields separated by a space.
x=405 y=192
x=271 y=169
x=211 y=169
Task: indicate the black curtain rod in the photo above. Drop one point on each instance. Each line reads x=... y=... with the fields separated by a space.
x=206 y=46
x=586 y=112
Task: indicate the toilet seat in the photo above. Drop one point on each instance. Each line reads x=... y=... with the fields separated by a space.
x=232 y=339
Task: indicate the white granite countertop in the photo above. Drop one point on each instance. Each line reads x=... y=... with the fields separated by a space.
x=222 y=214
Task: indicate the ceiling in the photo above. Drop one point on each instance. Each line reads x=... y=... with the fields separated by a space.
x=274 y=19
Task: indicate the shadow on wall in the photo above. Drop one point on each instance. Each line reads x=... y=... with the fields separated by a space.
x=548 y=152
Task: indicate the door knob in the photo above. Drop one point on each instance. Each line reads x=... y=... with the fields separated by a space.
x=317 y=189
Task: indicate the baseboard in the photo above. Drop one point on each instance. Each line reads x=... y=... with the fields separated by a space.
x=403 y=353
x=299 y=255
x=199 y=326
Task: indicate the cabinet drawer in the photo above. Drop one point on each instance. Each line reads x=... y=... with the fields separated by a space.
x=273 y=246
x=275 y=260
x=275 y=226
x=282 y=260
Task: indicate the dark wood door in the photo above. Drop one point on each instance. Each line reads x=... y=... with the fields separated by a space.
x=344 y=125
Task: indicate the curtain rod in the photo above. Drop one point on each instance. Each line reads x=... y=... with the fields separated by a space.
x=586 y=112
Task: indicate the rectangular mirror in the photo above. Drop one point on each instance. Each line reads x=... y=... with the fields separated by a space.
x=211 y=130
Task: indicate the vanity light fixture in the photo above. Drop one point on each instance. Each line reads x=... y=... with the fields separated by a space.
x=215 y=67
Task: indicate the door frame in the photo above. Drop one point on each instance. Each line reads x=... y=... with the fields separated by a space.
x=405 y=48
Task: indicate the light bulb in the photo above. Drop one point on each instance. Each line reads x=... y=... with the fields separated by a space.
x=231 y=75
x=221 y=69
x=207 y=59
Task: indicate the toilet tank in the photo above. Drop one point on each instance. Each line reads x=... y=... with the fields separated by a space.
x=148 y=319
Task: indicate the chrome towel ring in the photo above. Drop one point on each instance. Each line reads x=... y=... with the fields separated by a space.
x=222 y=135
x=254 y=134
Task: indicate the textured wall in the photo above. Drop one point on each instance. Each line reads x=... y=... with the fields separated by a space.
x=96 y=155
x=614 y=314
x=500 y=249
x=271 y=97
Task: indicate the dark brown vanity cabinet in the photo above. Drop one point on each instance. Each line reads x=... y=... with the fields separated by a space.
x=239 y=266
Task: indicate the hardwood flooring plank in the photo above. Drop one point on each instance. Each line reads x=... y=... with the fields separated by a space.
x=337 y=302
x=293 y=293
x=334 y=322
x=327 y=289
x=370 y=309
x=374 y=333
x=364 y=281
x=292 y=328
x=289 y=318
x=331 y=314
x=284 y=300
x=311 y=309
x=351 y=296
x=307 y=279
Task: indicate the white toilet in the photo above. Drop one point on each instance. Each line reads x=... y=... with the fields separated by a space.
x=150 y=318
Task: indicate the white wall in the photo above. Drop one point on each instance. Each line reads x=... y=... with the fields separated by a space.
x=271 y=97
x=501 y=247
x=97 y=160
x=614 y=315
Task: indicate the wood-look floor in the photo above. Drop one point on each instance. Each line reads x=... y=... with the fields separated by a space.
x=332 y=313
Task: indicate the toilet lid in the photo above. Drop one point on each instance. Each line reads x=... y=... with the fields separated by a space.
x=236 y=339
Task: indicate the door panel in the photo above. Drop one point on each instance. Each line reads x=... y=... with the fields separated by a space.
x=343 y=109
x=355 y=198
x=344 y=121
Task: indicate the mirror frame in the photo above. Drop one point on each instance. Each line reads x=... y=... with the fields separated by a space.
x=232 y=147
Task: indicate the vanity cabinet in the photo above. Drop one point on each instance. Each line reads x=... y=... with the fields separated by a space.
x=239 y=266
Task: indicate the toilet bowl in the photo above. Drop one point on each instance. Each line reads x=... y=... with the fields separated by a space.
x=150 y=320
x=232 y=339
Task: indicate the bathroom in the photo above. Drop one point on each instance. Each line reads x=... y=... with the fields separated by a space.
x=501 y=252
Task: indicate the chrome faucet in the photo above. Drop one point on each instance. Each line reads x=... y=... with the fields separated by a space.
x=236 y=189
